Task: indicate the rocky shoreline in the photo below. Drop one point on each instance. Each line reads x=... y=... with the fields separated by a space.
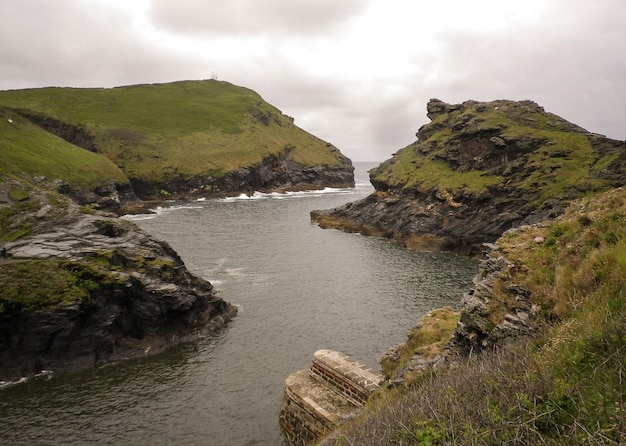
x=132 y=294
x=273 y=173
x=124 y=294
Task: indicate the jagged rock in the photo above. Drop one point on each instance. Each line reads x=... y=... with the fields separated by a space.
x=436 y=108
x=489 y=318
x=477 y=170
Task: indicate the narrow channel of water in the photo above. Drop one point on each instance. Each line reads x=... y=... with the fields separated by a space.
x=299 y=288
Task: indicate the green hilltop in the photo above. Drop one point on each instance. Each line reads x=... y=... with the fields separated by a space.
x=161 y=134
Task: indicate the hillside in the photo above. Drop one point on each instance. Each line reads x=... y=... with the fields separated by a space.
x=537 y=354
x=181 y=139
x=31 y=153
x=478 y=169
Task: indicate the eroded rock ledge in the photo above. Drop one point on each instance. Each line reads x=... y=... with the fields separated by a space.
x=126 y=293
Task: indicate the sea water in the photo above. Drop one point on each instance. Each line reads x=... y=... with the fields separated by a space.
x=299 y=288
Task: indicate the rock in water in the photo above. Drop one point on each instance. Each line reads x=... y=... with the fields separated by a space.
x=83 y=289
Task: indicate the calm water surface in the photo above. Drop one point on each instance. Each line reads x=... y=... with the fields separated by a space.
x=299 y=288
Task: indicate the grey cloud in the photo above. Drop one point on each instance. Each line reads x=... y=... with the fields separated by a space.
x=572 y=63
x=365 y=123
x=75 y=46
x=569 y=66
x=54 y=45
x=248 y=17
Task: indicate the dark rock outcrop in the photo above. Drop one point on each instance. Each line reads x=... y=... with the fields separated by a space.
x=477 y=170
x=74 y=134
x=135 y=295
x=274 y=173
x=109 y=197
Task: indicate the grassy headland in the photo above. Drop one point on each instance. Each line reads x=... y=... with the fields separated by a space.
x=176 y=130
x=472 y=148
x=478 y=169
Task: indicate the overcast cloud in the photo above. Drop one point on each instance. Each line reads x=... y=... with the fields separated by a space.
x=357 y=73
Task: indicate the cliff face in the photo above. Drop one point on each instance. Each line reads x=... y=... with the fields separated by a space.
x=490 y=318
x=478 y=169
x=81 y=289
x=274 y=172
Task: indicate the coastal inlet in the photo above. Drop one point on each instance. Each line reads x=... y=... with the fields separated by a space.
x=298 y=289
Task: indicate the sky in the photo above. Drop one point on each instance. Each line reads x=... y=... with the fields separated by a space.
x=356 y=73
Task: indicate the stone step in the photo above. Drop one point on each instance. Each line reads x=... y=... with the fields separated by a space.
x=316 y=400
x=311 y=408
x=346 y=375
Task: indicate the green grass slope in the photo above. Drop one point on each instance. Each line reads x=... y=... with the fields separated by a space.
x=26 y=150
x=177 y=130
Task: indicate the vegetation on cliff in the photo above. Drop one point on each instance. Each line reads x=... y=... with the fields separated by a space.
x=81 y=287
x=478 y=169
x=560 y=383
x=172 y=139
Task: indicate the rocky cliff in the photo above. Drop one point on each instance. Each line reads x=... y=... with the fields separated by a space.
x=275 y=172
x=478 y=169
x=82 y=288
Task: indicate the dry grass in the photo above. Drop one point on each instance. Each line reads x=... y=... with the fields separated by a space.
x=502 y=398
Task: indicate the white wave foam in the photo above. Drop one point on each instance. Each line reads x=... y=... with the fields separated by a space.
x=291 y=194
x=138 y=217
x=242 y=197
x=214 y=282
x=159 y=210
